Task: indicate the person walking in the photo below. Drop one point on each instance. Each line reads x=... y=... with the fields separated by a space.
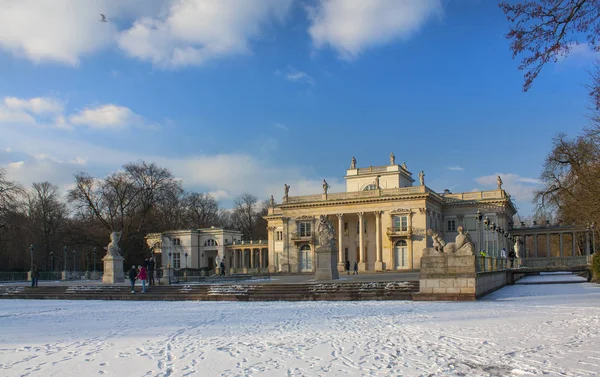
x=151 y=265
x=143 y=276
x=132 y=276
x=511 y=257
x=222 y=267
x=347 y=267
x=35 y=275
x=355 y=268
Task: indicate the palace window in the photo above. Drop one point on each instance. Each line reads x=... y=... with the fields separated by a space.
x=370 y=187
x=279 y=235
x=305 y=229
x=210 y=242
x=177 y=241
x=401 y=223
x=176 y=260
x=470 y=223
x=451 y=225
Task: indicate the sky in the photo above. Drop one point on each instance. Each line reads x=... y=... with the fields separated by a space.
x=239 y=96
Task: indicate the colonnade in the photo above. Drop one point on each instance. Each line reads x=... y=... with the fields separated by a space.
x=530 y=241
x=249 y=258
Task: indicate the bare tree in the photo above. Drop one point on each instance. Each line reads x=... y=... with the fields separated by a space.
x=10 y=193
x=545 y=30
x=201 y=210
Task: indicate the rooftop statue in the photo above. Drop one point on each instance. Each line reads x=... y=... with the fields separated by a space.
x=325 y=187
x=422 y=177
x=392 y=159
x=499 y=181
x=353 y=163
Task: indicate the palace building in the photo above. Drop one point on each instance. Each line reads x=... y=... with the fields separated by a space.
x=381 y=220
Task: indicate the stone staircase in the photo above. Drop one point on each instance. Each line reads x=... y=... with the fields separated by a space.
x=330 y=291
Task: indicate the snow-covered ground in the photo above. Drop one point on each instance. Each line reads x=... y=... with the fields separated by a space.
x=520 y=330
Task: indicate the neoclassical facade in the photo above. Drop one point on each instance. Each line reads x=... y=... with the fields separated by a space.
x=381 y=220
x=206 y=247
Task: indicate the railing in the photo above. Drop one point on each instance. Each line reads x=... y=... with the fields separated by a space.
x=556 y=261
x=490 y=264
x=12 y=276
x=399 y=231
x=303 y=237
x=247 y=242
x=373 y=169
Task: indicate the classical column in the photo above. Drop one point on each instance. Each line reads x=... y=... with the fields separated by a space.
x=560 y=235
x=548 y=254
x=362 y=265
x=535 y=244
x=260 y=258
x=378 y=252
x=235 y=259
x=341 y=260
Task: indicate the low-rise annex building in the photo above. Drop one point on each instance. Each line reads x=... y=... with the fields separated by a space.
x=204 y=248
x=381 y=220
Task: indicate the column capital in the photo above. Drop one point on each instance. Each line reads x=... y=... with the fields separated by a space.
x=360 y=214
x=340 y=215
x=378 y=213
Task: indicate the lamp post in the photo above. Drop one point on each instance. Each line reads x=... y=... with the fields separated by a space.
x=65 y=252
x=31 y=255
x=185 y=270
x=94 y=251
x=486 y=223
x=478 y=217
x=593 y=238
x=169 y=267
x=52 y=261
x=493 y=228
x=74 y=261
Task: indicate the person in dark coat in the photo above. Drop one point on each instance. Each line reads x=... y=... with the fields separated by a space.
x=511 y=257
x=132 y=276
x=151 y=265
x=222 y=267
x=35 y=275
x=347 y=267
x=355 y=268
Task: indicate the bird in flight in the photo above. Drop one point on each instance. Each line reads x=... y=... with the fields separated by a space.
x=103 y=18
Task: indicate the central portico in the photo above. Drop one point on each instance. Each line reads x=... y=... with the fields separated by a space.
x=380 y=220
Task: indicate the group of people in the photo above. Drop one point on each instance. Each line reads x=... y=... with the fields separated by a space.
x=512 y=255
x=347 y=267
x=144 y=273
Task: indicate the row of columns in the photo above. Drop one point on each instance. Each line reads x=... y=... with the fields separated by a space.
x=548 y=249
x=361 y=240
x=239 y=260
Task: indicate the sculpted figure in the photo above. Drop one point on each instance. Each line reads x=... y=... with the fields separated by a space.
x=499 y=181
x=392 y=159
x=517 y=247
x=377 y=182
x=113 y=247
x=272 y=202
x=404 y=166
x=325 y=187
x=353 y=163
x=438 y=243
x=286 y=190
x=326 y=233
x=422 y=177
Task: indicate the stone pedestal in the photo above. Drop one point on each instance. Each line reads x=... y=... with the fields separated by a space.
x=65 y=275
x=446 y=276
x=167 y=276
x=326 y=265
x=28 y=275
x=378 y=266
x=113 y=270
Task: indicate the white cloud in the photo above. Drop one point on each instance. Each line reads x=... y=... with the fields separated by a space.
x=36 y=105
x=294 y=75
x=455 y=168
x=106 y=116
x=192 y=32
x=12 y=116
x=520 y=188
x=63 y=31
x=580 y=53
x=351 y=26
x=281 y=126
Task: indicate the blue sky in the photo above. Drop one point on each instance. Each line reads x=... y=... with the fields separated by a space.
x=243 y=96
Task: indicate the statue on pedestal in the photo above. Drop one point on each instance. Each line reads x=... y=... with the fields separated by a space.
x=325 y=187
x=353 y=163
x=113 y=247
x=463 y=244
x=272 y=202
x=286 y=190
x=422 y=177
x=326 y=234
x=392 y=159
x=499 y=182
x=377 y=182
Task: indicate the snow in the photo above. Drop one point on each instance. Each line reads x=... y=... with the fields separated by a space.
x=520 y=330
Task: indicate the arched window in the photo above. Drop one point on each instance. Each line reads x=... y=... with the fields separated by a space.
x=370 y=187
x=211 y=242
x=305 y=258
